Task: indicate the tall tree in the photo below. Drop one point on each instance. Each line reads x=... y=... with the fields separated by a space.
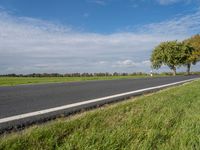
x=192 y=51
x=194 y=41
x=167 y=53
x=188 y=56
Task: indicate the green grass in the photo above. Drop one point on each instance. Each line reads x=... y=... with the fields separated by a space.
x=12 y=81
x=169 y=119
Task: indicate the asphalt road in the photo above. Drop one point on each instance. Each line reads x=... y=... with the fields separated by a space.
x=22 y=99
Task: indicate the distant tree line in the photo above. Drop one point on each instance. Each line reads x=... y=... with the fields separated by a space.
x=175 y=54
x=73 y=74
x=88 y=74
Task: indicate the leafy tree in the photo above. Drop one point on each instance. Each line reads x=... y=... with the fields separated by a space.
x=194 y=41
x=188 y=56
x=192 y=51
x=167 y=53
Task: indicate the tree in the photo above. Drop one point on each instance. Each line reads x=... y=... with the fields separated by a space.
x=192 y=55
x=167 y=53
x=194 y=41
x=188 y=56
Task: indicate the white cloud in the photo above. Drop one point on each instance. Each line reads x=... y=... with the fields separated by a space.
x=102 y=62
x=31 y=45
x=98 y=2
x=126 y=63
x=146 y=63
x=168 y=2
x=181 y=25
x=130 y=63
x=86 y=15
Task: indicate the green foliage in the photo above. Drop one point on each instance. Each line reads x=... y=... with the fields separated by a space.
x=187 y=56
x=167 y=53
x=175 y=54
x=168 y=119
x=194 y=42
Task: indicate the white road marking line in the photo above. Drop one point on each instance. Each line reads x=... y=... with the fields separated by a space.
x=45 y=111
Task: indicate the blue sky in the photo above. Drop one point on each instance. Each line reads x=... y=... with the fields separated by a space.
x=90 y=35
x=102 y=16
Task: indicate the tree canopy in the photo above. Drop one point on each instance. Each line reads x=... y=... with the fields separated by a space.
x=175 y=54
x=191 y=51
x=194 y=42
x=188 y=56
x=167 y=53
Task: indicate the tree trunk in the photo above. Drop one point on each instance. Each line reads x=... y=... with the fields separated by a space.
x=174 y=71
x=188 y=68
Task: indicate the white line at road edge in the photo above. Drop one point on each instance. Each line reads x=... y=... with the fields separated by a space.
x=45 y=111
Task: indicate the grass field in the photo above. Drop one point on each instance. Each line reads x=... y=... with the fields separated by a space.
x=169 y=119
x=12 y=81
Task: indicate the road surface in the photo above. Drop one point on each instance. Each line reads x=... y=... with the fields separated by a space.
x=26 y=104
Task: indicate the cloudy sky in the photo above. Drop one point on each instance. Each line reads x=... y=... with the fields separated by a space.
x=90 y=35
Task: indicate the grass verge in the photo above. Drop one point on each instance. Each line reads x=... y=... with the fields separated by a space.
x=169 y=119
x=12 y=81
